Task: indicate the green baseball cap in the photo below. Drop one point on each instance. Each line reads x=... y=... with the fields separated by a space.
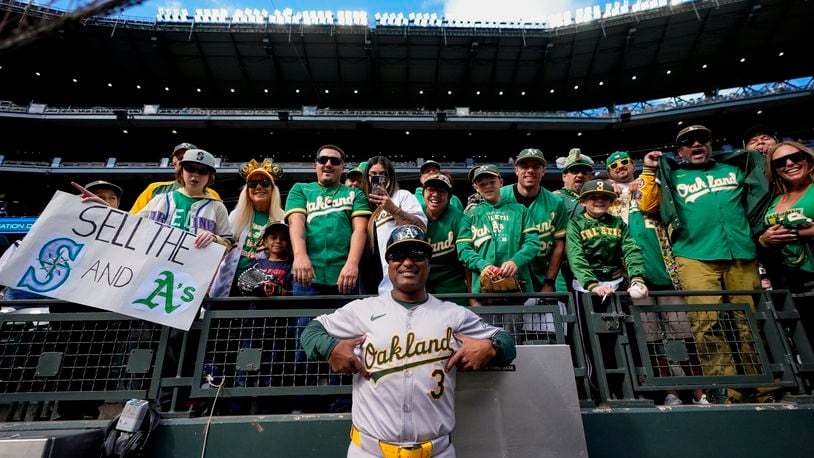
x=695 y=129
x=597 y=187
x=531 y=154
x=615 y=157
x=483 y=169
x=359 y=169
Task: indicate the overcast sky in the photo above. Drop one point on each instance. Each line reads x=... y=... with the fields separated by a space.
x=529 y=10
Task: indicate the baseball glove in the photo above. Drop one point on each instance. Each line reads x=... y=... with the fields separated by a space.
x=255 y=282
x=492 y=282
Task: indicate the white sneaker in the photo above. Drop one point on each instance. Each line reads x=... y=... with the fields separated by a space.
x=672 y=400
x=702 y=401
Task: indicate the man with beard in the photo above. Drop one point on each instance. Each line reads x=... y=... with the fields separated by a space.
x=708 y=205
x=659 y=270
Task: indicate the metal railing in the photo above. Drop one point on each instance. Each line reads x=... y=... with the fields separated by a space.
x=249 y=347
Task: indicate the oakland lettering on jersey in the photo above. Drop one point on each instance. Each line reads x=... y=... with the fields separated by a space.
x=411 y=348
x=444 y=246
x=592 y=232
x=324 y=203
x=691 y=192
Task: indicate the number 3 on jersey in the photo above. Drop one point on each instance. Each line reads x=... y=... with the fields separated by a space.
x=441 y=376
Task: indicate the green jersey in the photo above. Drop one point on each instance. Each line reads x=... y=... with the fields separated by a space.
x=572 y=207
x=494 y=234
x=794 y=254
x=252 y=238
x=710 y=204
x=328 y=228
x=550 y=217
x=447 y=274
x=597 y=247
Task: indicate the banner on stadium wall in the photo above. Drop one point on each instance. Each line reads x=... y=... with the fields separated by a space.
x=95 y=255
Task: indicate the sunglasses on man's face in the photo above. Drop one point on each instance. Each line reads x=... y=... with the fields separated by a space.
x=796 y=158
x=325 y=159
x=196 y=169
x=619 y=163
x=689 y=141
x=580 y=170
x=414 y=255
x=264 y=183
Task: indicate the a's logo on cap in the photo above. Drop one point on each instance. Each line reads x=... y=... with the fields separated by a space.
x=407 y=232
x=600 y=186
x=200 y=155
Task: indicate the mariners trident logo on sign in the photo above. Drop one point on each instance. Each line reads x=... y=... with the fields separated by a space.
x=54 y=260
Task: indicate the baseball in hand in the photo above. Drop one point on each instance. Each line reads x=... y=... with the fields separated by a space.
x=637 y=291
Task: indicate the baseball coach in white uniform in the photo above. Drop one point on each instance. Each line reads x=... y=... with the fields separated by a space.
x=404 y=348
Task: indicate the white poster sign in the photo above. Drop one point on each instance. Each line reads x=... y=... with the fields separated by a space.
x=98 y=256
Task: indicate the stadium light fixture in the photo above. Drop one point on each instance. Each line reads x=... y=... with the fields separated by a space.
x=759 y=112
x=38 y=73
x=743 y=59
x=576 y=87
x=124 y=131
x=633 y=77
x=522 y=92
x=601 y=83
x=109 y=84
x=421 y=92
x=75 y=80
x=232 y=90
x=704 y=66
x=669 y=72
x=449 y=92
x=500 y=93
x=166 y=89
x=680 y=123
x=297 y=91
x=327 y=91
x=174 y=132
x=780 y=54
x=551 y=91
x=138 y=86
x=356 y=91
x=266 y=91
x=579 y=134
x=477 y=92
x=406 y=132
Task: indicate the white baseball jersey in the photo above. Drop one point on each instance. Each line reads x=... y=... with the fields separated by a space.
x=409 y=397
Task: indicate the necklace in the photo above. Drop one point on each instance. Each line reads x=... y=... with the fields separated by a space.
x=327 y=196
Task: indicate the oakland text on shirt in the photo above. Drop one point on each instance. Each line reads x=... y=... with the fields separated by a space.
x=326 y=203
x=601 y=231
x=544 y=230
x=443 y=247
x=691 y=192
x=131 y=232
x=412 y=348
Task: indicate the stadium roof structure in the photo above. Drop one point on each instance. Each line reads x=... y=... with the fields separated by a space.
x=676 y=49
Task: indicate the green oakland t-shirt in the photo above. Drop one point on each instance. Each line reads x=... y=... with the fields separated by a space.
x=709 y=202
x=446 y=270
x=794 y=254
x=328 y=214
x=183 y=204
x=249 y=247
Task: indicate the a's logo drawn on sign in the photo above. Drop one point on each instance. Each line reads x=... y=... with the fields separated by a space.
x=54 y=260
x=165 y=288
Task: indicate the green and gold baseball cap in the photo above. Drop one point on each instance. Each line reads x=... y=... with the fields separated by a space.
x=598 y=187
x=438 y=180
x=530 y=155
x=615 y=157
x=182 y=148
x=358 y=170
x=486 y=169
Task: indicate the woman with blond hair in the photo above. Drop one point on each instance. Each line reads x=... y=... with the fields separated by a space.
x=788 y=230
x=258 y=205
